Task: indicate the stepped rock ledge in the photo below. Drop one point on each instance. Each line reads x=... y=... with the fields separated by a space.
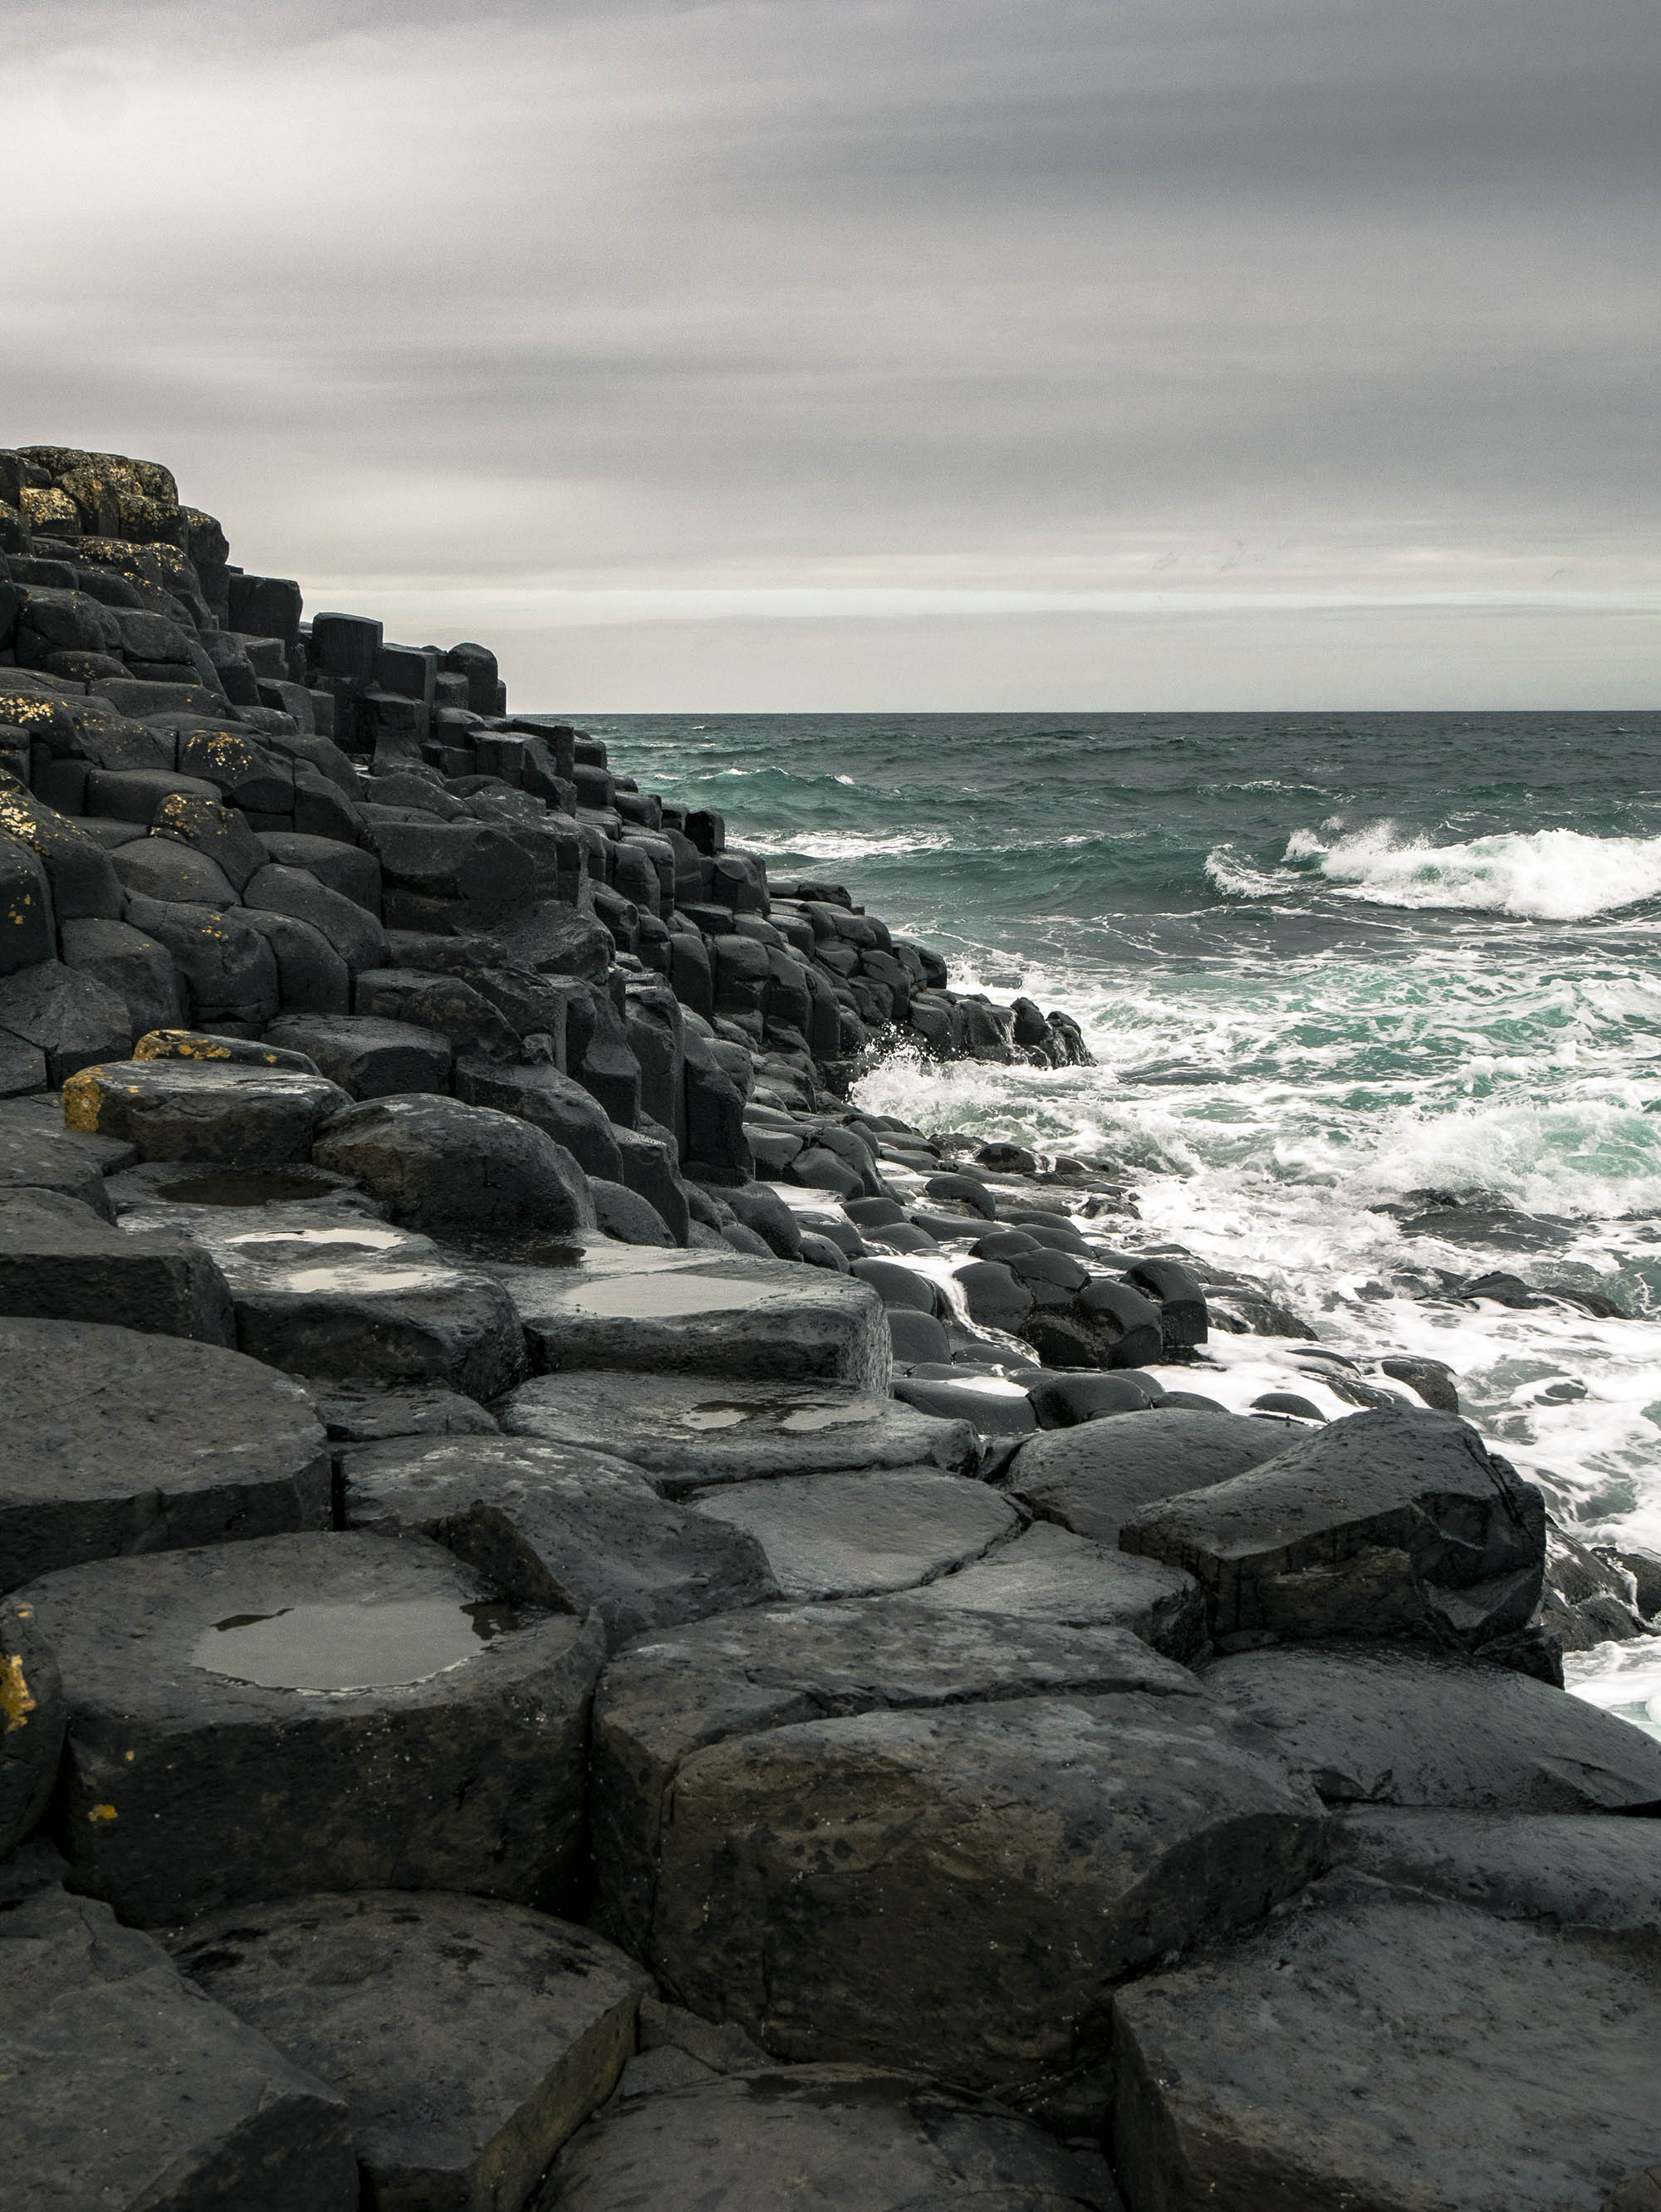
x=586 y=1625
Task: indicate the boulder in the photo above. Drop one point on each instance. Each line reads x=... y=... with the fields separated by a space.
x=165 y=868
x=202 y=1110
x=33 y=1717
x=994 y=1297
x=1375 y=1725
x=915 y=1881
x=1175 y=1289
x=689 y=1435
x=622 y=1213
x=1067 y=1402
x=1045 y=1574
x=60 y=1261
x=853 y=1535
x=440 y=1164
x=311 y=976
x=862 y=2141
x=1093 y=1478
x=335 y=1293
x=121 y=2084
x=566 y=1529
x=37 y=1152
x=368 y=1057
x=139 y=971
x=673 y=1313
x=1398 y=1524
x=120 y=1443
x=354 y=933
x=468 y=2037
x=229 y=969
x=69 y=1017
x=448 y=1003
x=1568 y=1870
x=550 y=1101
x=408 y=1729
x=1374 y=2049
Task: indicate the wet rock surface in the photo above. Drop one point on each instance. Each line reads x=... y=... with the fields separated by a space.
x=409 y=1728
x=850 y=1535
x=120 y=1443
x=1093 y=1479
x=468 y=2038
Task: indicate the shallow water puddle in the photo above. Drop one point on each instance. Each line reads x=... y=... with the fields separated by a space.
x=350 y=1647
x=663 y=1297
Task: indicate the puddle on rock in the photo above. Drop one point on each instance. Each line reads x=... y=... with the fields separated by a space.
x=785 y=1414
x=269 y=1247
x=346 y=1281
x=247 y=1186
x=665 y=1295
x=350 y=1647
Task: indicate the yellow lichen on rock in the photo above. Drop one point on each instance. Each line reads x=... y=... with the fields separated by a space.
x=16 y=1702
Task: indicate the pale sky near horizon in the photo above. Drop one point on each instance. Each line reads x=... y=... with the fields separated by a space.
x=868 y=353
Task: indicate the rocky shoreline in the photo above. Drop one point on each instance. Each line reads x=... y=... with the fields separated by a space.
x=586 y=1625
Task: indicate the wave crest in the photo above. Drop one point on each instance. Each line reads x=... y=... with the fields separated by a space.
x=1539 y=875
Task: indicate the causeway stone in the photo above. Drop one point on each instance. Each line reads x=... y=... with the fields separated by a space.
x=1093 y=1478
x=31 y=1722
x=118 y=1442
x=408 y=1728
x=1048 y=1574
x=60 y=1261
x=367 y=1058
x=564 y=1529
x=189 y=1109
x=1378 y=1725
x=691 y=1435
x=440 y=1164
x=468 y=2037
x=852 y=1536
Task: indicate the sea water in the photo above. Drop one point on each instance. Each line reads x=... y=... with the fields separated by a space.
x=1323 y=961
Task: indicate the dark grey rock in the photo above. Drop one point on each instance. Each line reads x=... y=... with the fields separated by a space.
x=995 y=1410
x=427 y=1736
x=366 y=1057
x=354 y=873
x=916 y=1336
x=37 y=1152
x=311 y=976
x=1432 y=1379
x=963 y=1190
x=79 y=877
x=367 y=1417
x=121 y=2084
x=994 y=1297
x=1093 y=1478
x=689 y=1435
x=1121 y=1325
x=562 y=1529
x=232 y=1051
x=468 y=2037
x=121 y=1442
x=773 y=1221
x=60 y=1261
x=1384 y=1727
x=862 y=2141
x=33 y=1717
x=857 y=1534
x=139 y=971
x=207 y=1111
x=649 y=1170
x=1571 y=1870
x=675 y=1313
x=440 y=1164
x=355 y=934
x=448 y=1003
x=228 y=969
x=1398 y=1524
x=622 y=1213
x=554 y=1103
x=69 y=1017
x=1067 y=1402
x=165 y=868
x=1375 y=2050
x=1046 y=1574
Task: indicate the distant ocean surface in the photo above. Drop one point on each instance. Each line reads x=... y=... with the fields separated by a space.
x=1324 y=960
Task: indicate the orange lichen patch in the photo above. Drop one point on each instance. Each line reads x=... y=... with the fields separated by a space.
x=102 y=1812
x=16 y=1702
x=83 y=1097
x=179 y=1044
x=20 y=708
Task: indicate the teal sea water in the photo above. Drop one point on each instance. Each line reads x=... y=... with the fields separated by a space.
x=1322 y=961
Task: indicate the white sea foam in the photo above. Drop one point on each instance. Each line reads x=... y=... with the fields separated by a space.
x=1541 y=875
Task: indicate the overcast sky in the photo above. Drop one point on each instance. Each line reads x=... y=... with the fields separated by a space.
x=880 y=353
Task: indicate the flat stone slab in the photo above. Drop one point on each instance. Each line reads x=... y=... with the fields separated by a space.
x=1573 y=1869
x=206 y=1110
x=691 y=1435
x=557 y=1527
x=1374 y=2050
x=60 y=1260
x=822 y=2135
x=440 y=1164
x=468 y=2037
x=1047 y=1574
x=37 y=1152
x=117 y=1442
x=1398 y=1524
x=332 y=1291
x=1093 y=1477
x=668 y=1697
x=853 y=1535
x=918 y=1882
x=121 y=2085
x=407 y=1727
x=741 y=1319
x=1384 y=1727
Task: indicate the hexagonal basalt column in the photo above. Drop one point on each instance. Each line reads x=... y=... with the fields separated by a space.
x=252 y=1720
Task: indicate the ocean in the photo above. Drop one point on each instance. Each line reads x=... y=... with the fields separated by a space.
x=1324 y=962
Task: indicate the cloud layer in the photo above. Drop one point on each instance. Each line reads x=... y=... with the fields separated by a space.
x=1272 y=299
